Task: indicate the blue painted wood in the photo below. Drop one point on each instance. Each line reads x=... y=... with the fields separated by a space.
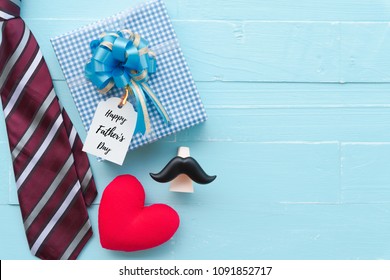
x=363 y=176
x=302 y=124
x=282 y=10
x=279 y=10
x=264 y=51
x=298 y=133
x=236 y=95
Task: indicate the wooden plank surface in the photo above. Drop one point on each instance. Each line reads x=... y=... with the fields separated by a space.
x=298 y=99
x=264 y=51
x=280 y=10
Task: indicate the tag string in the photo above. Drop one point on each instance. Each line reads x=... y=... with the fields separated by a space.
x=125 y=96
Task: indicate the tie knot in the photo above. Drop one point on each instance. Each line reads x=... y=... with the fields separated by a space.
x=9 y=9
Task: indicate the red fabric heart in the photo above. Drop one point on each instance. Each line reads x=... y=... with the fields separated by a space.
x=125 y=224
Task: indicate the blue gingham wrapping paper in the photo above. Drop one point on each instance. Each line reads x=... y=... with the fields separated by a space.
x=172 y=83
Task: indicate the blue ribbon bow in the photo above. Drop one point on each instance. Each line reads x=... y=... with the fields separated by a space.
x=123 y=59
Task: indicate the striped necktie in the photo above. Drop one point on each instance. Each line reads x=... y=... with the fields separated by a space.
x=53 y=176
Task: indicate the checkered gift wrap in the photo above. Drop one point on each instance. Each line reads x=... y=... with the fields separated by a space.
x=172 y=83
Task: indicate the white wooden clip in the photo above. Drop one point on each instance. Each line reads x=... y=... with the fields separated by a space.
x=182 y=183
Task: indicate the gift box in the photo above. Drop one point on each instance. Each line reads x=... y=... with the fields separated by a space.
x=172 y=83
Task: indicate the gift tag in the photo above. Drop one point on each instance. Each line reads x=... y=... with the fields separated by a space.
x=111 y=130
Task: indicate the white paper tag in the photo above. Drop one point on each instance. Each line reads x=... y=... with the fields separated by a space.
x=111 y=130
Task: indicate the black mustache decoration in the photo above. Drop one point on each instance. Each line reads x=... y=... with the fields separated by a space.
x=179 y=165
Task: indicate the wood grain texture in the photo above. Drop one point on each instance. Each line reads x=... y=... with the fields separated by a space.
x=298 y=99
x=279 y=10
x=265 y=51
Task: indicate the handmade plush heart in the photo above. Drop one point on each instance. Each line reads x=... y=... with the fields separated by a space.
x=125 y=224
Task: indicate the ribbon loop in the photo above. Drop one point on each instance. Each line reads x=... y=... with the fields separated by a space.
x=119 y=49
x=132 y=61
x=123 y=59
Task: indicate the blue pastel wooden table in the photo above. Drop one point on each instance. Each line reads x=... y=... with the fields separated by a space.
x=298 y=101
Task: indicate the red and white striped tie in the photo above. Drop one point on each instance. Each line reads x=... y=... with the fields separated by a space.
x=53 y=176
